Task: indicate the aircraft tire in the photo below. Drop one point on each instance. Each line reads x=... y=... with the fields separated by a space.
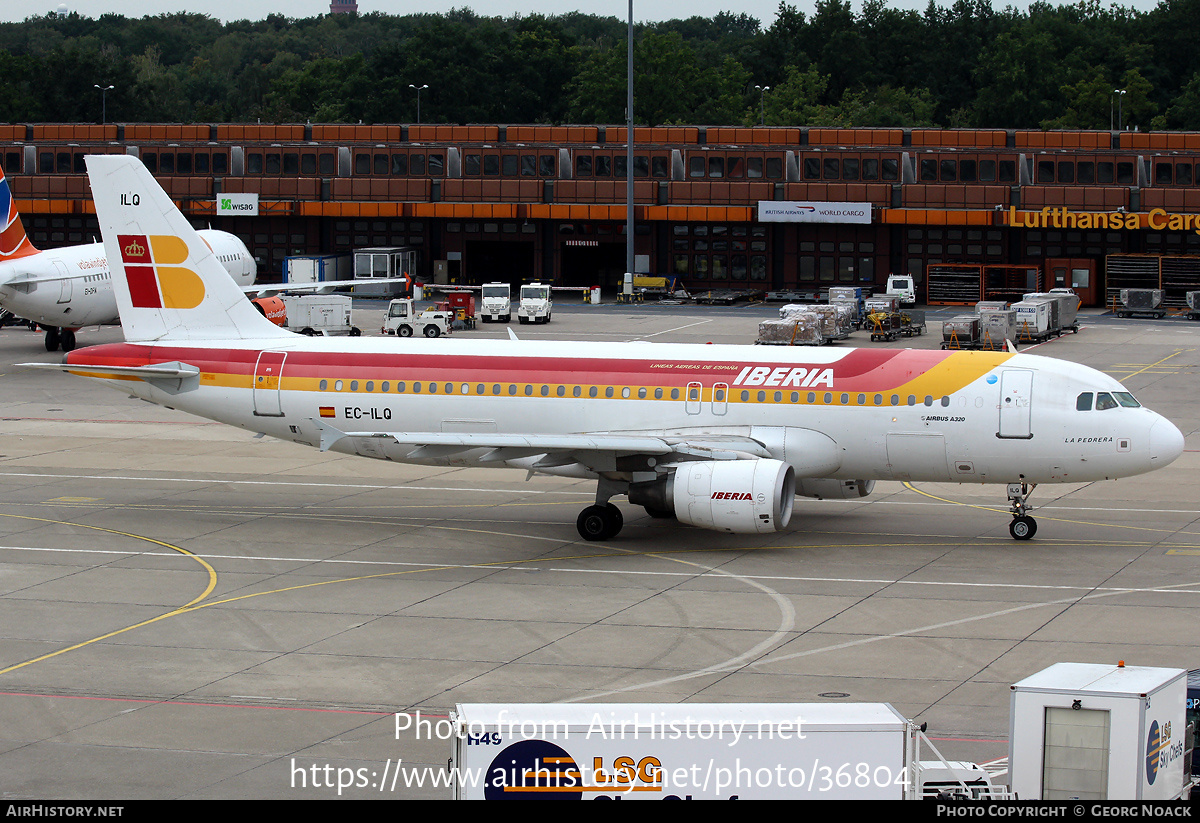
x=66 y=340
x=52 y=338
x=1022 y=527
x=599 y=522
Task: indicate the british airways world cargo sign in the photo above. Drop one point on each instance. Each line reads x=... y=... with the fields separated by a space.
x=798 y=211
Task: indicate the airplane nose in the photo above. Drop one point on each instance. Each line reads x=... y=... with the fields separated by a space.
x=1166 y=443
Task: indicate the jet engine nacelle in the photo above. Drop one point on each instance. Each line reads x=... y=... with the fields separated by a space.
x=828 y=488
x=737 y=496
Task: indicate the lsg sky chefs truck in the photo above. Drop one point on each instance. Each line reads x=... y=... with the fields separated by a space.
x=1100 y=732
x=602 y=751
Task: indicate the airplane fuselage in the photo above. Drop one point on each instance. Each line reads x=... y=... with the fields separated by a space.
x=867 y=414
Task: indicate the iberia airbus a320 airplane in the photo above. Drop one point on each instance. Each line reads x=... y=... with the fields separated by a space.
x=719 y=437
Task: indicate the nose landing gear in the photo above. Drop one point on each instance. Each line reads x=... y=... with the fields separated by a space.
x=1022 y=526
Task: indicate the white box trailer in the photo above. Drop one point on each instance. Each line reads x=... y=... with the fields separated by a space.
x=319 y=314
x=817 y=751
x=1099 y=732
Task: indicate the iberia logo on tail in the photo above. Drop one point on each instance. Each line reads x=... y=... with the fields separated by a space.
x=156 y=278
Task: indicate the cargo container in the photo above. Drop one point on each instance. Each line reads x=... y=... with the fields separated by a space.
x=798 y=329
x=1141 y=301
x=1068 y=307
x=998 y=327
x=1193 y=304
x=961 y=332
x=1083 y=731
x=1034 y=320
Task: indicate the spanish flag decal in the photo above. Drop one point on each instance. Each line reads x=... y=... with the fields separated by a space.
x=327 y=411
x=156 y=280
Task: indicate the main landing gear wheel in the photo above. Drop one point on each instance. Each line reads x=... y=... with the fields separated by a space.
x=600 y=522
x=1023 y=526
x=52 y=338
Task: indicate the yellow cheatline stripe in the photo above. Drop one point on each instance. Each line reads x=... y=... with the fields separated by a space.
x=212 y=583
x=913 y=488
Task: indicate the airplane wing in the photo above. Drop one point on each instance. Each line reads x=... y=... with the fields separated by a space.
x=323 y=287
x=594 y=449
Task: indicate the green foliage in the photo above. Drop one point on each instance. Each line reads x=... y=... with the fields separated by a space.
x=965 y=64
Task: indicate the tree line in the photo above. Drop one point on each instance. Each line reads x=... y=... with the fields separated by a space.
x=965 y=65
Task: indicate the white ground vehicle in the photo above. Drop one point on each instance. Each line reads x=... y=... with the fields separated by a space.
x=698 y=751
x=496 y=303
x=1091 y=731
x=403 y=320
x=903 y=286
x=315 y=314
x=536 y=305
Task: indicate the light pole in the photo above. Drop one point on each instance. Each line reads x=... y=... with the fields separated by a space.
x=1120 y=99
x=762 y=106
x=418 y=88
x=104 y=90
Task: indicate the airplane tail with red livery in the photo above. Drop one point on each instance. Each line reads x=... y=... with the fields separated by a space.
x=168 y=283
x=14 y=243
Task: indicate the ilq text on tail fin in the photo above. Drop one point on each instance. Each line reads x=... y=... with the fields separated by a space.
x=168 y=283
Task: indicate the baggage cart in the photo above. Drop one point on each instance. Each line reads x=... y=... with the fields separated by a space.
x=961 y=332
x=1141 y=301
x=912 y=322
x=884 y=325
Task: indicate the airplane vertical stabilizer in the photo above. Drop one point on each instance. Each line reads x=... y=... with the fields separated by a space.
x=168 y=283
x=14 y=242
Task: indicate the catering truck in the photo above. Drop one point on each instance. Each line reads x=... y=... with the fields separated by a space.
x=1100 y=732
x=697 y=751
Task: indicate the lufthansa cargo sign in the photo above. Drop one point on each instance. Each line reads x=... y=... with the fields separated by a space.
x=238 y=204
x=796 y=211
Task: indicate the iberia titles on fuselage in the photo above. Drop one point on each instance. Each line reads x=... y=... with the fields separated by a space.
x=720 y=437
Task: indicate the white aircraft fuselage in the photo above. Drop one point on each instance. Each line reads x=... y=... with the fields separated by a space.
x=854 y=414
x=719 y=437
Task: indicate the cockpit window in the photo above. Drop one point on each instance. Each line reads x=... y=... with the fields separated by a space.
x=1084 y=402
x=1127 y=400
x=1104 y=400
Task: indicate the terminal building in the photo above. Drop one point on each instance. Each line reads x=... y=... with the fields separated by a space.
x=971 y=214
